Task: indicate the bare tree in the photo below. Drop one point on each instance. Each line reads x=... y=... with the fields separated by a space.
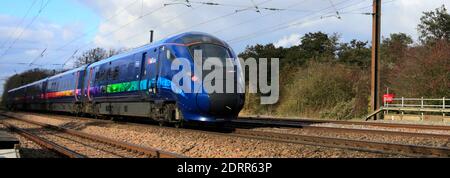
x=94 y=55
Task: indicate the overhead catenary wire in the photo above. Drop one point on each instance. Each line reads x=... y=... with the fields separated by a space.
x=214 y=19
x=283 y=25
x=147 y=30
x=28 y=26
x=119 y=12
x=198 y=24
x=189 y=27
x=40 y=56
x=116 y=30
x=246 y=6
x=133 y=36
x=95 y=28
x=257 y=17
x=358 y=10
x=18 y=25
x=334 y=7
x=165 y=21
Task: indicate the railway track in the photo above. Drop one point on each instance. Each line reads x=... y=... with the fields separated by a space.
x=251 y=124
x=285 y=122
x=75 y=144
x=45 y=143
x=358 y=145
x=410 y=150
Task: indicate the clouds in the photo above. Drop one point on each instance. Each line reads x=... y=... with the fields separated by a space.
x=288 y=41
x=132 y=21
x=41 y=35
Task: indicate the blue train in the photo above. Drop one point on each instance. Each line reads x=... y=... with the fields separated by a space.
x=137 y=83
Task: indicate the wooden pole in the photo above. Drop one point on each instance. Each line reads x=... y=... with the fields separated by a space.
x=376 y=36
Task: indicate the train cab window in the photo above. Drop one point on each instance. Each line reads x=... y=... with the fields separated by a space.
x=211 y=50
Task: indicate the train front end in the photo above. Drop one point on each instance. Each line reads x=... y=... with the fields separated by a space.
x=217 y=86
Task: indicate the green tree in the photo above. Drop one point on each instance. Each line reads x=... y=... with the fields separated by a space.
x=434 y=25
x=355 y=53
x=318 y=46
x=394 y=47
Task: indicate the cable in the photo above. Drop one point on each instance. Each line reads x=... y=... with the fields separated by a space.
x=334 y=7
x=93 y=29
x=19 y=24
x=258 y=17
x=35 y=48
x=282 y=25
x=355 y=11
x=214 y=19
x=244 y=6
x=139 y=33
x=165 y=21
x=118 y=29
x=29 y=24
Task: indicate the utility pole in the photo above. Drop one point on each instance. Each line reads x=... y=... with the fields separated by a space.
x=375 y=77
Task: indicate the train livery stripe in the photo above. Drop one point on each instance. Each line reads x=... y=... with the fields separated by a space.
x=59 y=94
x=123 y=87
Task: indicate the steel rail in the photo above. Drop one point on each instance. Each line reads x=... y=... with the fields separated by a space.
x=44 y=142
x=348 y=144
x=358 y=145
x=127 y=146
x=296 y=122
x=243 y=124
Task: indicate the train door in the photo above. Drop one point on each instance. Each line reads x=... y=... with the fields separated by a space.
x=140 y=59
x=165 y=74
x=153 y=71
x=75 y=89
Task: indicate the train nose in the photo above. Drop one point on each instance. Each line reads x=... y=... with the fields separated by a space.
x=225 y=103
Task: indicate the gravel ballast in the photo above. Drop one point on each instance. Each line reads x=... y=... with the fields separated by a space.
x=199 y=144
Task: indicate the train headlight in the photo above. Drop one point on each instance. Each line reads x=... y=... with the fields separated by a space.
x=194 y=78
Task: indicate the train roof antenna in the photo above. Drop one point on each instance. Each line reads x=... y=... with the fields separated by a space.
x=151 y=36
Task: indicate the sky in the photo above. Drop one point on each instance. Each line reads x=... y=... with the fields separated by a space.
x=49 y=33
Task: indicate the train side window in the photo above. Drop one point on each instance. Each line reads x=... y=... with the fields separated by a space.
x=115 y=74
x=103 y=75
x=108 y=73
x=137 y=68
x=97 y=75
x=167 y=54
x=130 y=71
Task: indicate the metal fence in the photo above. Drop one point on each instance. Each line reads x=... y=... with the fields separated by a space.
x=418 y=106
x=423 y=103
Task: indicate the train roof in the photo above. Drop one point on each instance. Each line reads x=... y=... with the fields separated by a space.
x=68 y=72
x=28 y=85
x=48 y=78
x=183 y=38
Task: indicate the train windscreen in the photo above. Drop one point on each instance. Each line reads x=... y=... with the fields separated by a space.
x=211 y=50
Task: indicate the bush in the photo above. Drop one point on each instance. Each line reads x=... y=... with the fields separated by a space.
x=325 y=87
